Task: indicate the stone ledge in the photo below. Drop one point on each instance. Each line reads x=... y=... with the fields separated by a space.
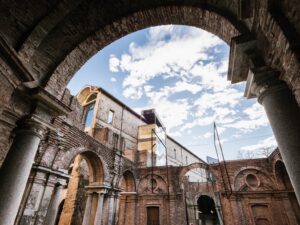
x=238 y=61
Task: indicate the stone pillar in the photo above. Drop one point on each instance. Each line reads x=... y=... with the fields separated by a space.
x=117 y=204
x=98 y=216
x=53 y=208
x=284 y=116
x=111 y=209
x=16 y=169
x=87 y=211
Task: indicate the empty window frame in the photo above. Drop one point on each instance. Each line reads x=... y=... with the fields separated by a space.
x=110 y=117
x=89 y=115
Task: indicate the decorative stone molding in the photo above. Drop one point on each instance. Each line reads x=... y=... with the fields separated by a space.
x=238 y=60
x=100 y=189
x=262 y=81
x=49 y=102
x=33 y=126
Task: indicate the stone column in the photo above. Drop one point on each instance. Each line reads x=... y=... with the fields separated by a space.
x=16 y=169
x=98 y=216
x=53 y=208
x=87 y=210
x=117 y=204
x=111 y=209
x=284 y=116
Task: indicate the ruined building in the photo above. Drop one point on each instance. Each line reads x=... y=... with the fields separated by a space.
x=106 y=164
x=58 y=169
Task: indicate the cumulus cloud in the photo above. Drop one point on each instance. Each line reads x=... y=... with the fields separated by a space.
x=216 y=106
x=269 y=142
x=114 y=63
x=170 y=51
x=172 y=113
x=196 y=92
x=254 y=118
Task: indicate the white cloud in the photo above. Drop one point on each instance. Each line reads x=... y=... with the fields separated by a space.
x=114 y=63
x=215 y=106
x=255 y=117
x=133 y=93
x=181 y=55
x=172 y=113
x=113 y=79
x=163 y=57
x=208 y=135
x=269 y=142
x=212 y=74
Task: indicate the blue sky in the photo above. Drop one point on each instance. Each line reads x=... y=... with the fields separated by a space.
x=181 y=71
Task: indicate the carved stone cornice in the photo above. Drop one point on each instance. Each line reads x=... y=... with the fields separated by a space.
x=58 y=173
x=52 y=105
x=100 y=189
x=9 y=117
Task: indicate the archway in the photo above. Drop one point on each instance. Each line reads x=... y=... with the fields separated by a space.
x=127 y=204
x=81 y=202
x=199 y=185
x=284 y=183
x=207 y=211
x=80 y=51
x=36 y=49
x=283 y=180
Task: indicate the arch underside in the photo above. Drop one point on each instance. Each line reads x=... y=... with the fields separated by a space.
x=64 y=36
x=70 y=62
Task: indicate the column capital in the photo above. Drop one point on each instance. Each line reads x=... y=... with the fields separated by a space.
x=263 y=81
x=32 y=125
x=90 y=193
x=102 y=192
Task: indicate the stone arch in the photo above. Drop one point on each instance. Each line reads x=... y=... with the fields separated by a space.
x=190 y=167
x=95 y=166
x=86 y=172
x=265 y=181
x=209 y=194
x=127 y=202
x=207 y=209
x=209 y=19
x=57 y=34
x=281 y=176
x=96 y=163
x=127 y=182
x=145 y=184
x=87 y=94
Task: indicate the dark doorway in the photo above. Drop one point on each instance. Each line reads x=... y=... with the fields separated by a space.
x=207 y=211
x=153 y=215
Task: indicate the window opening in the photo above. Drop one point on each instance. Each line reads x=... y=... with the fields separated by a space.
x=110 y=117
x=89 y=115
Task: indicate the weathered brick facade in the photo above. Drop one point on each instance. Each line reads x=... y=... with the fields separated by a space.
x=43 y=43
x=268 y=196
